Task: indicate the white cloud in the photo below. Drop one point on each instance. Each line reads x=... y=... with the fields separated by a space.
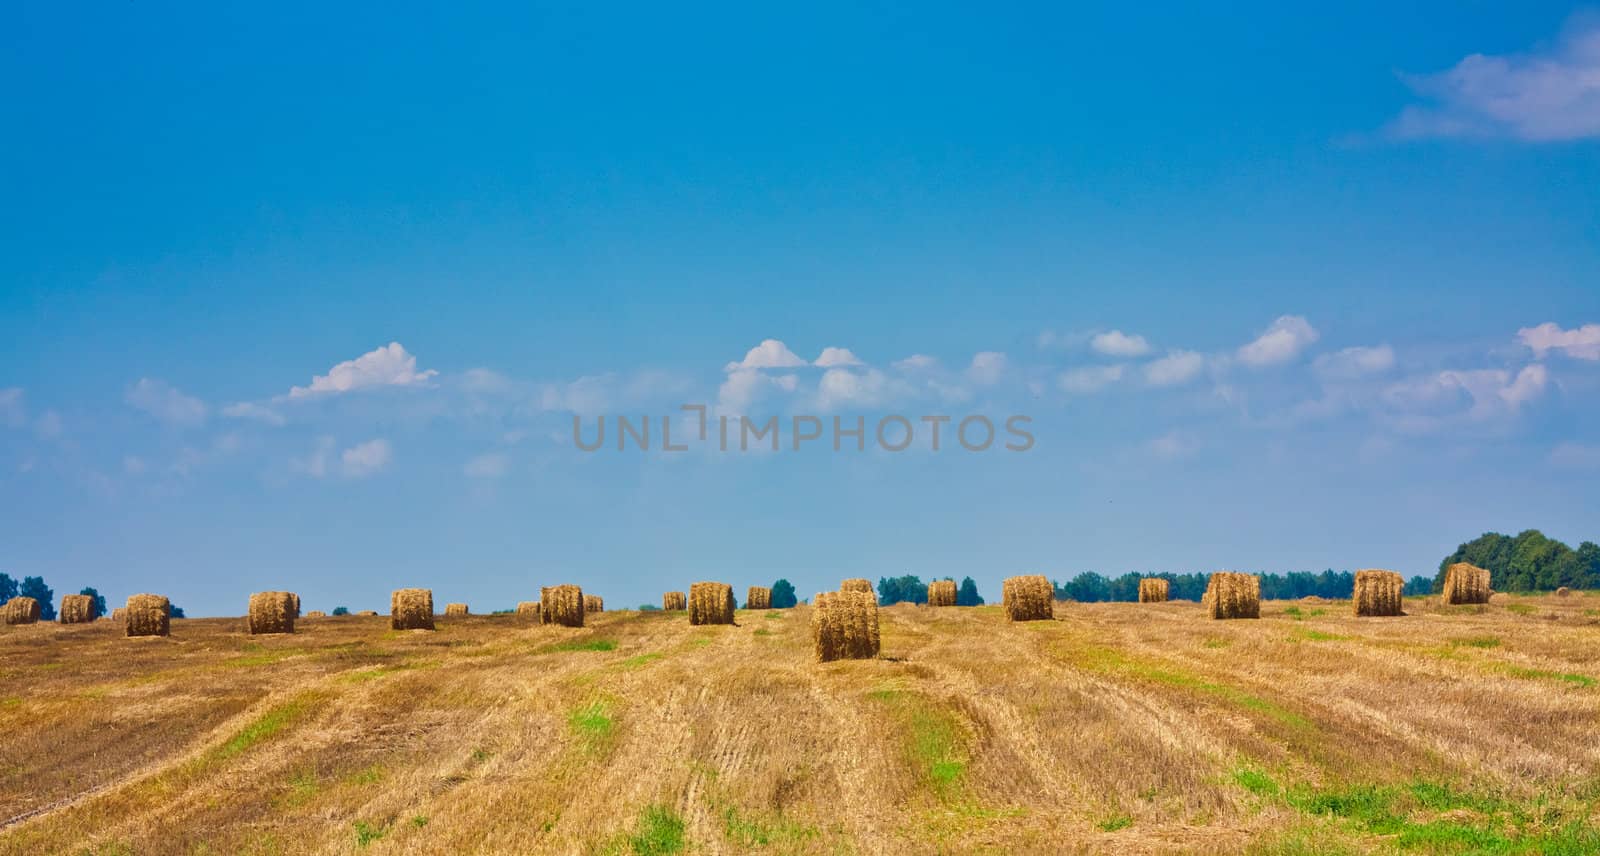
x=916 y=363
x=587 y=396
x=1090 y=379
x=386 y=366
x=1480 y=394
x=489 y=466
x=1279 y=343
x=257 y=412
x=987 y=367
x=165 y=403
x=1546 y=95
x=742 y=388
x=1529 y=385
x=843 y=388
x=365 y=459
x=316 y=464
x=1119 y=344
x=1580 y=342
x=770 y=354
x=13 y=414
x=1174 y=444
x=1357 y=362
x=835 y=357
x=1573 y=456
x=1177 y=367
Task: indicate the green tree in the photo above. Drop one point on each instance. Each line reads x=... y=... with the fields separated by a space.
x=968 y=595
x=8 y=588
x=905 y=589
x=35 y=588
x=341 y=610
x=783 y=595
x=99 y=601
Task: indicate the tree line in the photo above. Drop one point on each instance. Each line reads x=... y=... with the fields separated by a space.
x=35 y=588
x=1530 y=562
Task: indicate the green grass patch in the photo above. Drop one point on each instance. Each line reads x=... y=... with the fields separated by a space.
x=639 y=660
x=1293 y=612
x=773 y=613
x=1114 y=662
x=1475 y=642
x=762 y=631
x=1216 y=643
x=659 y=831
x=1521 y=608
x=1256 y=782
x=592 y=723
x=1544 y=675
x=1115 y=822
x=934 y=741
x=367 y=833
x=262 y=728
x=1309 y=635
x=749 y=830
x=580 y=645
x=262 y=658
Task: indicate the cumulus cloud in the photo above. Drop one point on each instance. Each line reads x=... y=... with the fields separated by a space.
x=1119 y=344
x=1545 y=95
x=365 y=459
x=835 y=357
x=390 y=365
x=1353 y=363
x=987 y=367
x=1279 y=343
x=1580 y=342
x=256 y=412
x=1479 y=394
x=165 y=403
x=740 y=389
x=844 y=388
x=1177 y=367
x=489 y=466
x=1089 y=379
x=770 y=354
x=916 y=363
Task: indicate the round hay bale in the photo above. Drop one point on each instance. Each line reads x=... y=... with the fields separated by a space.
x=1377 y=593
x=1464 y=583
x=1563 y=592
x=368 y=612
x=77 y=609
x=148 y=615
x=20 y=610
x=710 y=603
x=1154 y=590
x=456 y=610
x=594 y=603
x=1028 y=598
x=411 y=609
x=562 y=605
x=272 y=612
x=759 y=597
x=294 y=604
x=674 y=601
x=528 y=609
x=1233 y=595
x=118 y=614
x=316 y=613
x=844 y=626
x=942 y=593
x=856 y=584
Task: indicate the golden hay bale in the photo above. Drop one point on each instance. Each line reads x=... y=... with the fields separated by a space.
x=1563 y=591
x=528 y=609
x=1464 y=583
x=759 y=597
x=316 y=613
x=942 y=593
x=294 y=604
x=710 y=603
x=1233 y=595
x=594 y=603
x=148 y=615
x=1154 y=590
x=411 y=609
x=674 y=600
x=456 y=610
x=272 y=612
x=844 y=626
x=367 y=612
x=856 y=584
x=561 y=605
x=77 y=609
x=1028 y=598
x=118 y=613
x=20 y=610
x=1378 y=593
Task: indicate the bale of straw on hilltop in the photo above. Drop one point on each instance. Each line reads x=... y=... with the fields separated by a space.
x=561 y=605
x=1378 y=593
x=710 y=603
x=1154 y=590
x=1028 y=598
x=20 y=610
x=1464 y=583
x=371 y=612
x=1563 y=591
x=456 y=610
x=77 y=609
x=528 y=609
x=942 y=593
x=594 y=603
x=844 y=626
x=856 y=584
x=411 y=609
x=759 y=597
x=118 y=614
x=674 y=600
x=272 y=612
x=294 y=604
x=316 y=613
x=1233 y=595
x=148 y=615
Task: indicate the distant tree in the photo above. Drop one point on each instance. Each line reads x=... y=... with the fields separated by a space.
x=8 y=588
x=99 y=601
x=35 y=588
x=783 y=595
x=341 y=610
x=968 y=595
x=649 y=607
x=1418 y=587
x=1531 y=561
x=906 y=589
x=177 y=612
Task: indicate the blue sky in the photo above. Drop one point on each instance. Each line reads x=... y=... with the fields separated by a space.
x=311 y=301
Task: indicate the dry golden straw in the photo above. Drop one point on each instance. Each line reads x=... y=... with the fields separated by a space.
x=316 y=613
x=118 y=613
x=20 y=610
x=272 y=612
x=1563 y=591
x=710 y=603
x=456 y=610
x=1153 y=590
x=674 y=600
x=411 y=609
x=760 y=597
x=1233 y=595
x=1029 y=598
x=1464 y=583
x=594 y=603
x=1378 y=593
x=294 y=604
x=77 y=609
x=561 y=605
x=528 y=609
x=148 y=615
x=373 y=612
x=856 y=584
x=844 y=626
x=942 y=593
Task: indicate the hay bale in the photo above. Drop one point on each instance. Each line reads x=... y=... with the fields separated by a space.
x=148 y=615
x=674 y=600
x=1233 y=595
x=456 y=610
x=411 y=609
x=272 y=612
x=1028 y=598
x=759 y=597
x=1378 y=593
x=20 y=610
x=844 y=626
x=367 y=612
x=942 y=593
x=316 y=613
x=1563 y=591
x=856 y=584
x=1154 y=590
x=118 y=614
x=1464 y=583
x=710 y=603
x=528 y=609
x=562 y=605
x=77 y=609
x=294 y=604
x=594 y=603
